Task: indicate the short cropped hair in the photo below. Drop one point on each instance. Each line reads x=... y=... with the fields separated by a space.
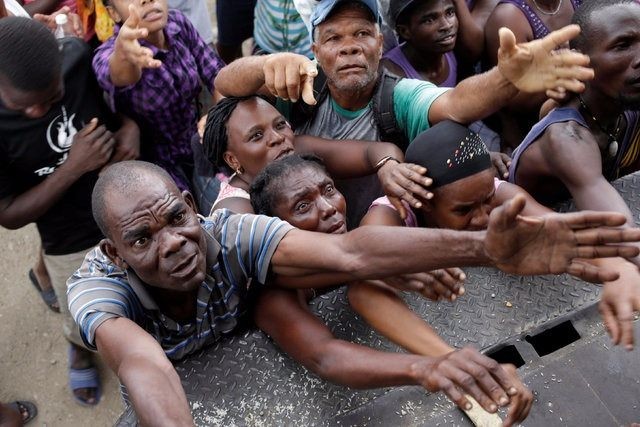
x=30 y=58
x=582 y=17
x=215 y=139
x=265 y=189
x=122 y=178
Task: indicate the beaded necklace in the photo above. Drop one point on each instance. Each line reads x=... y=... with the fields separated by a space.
x=612 y=148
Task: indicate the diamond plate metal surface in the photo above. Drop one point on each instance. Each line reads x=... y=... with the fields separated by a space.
x=245 y=380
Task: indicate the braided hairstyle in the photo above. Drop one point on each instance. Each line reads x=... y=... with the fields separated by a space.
x=215 y=138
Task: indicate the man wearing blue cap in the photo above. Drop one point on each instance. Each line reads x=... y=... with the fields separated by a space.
x=347 y=44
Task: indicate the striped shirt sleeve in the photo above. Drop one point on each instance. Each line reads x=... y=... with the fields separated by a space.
x=99 y=291
x=248 y=243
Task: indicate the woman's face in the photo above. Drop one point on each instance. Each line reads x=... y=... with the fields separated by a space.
x=462 y=205
x=308 y=199
x=257 y=135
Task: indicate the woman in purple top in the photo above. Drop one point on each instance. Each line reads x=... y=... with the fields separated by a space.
x=152 y=70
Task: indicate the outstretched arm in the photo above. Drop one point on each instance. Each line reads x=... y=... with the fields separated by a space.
x=523 y=245
x=305 y=338
x=530 y=67
x=286 y=75
x=377 y=304
x=572 y=153
x=350 y=158
x=620 y=298
x=151 y=381
x=382 y=308
x=574 y=156
x=129 y=58
x=510 y=16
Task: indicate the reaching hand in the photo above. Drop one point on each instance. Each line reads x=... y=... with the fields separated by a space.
x=91 y=149
x=466 y=371
x=620 y=299
x=404 y=181
x=551 y=244
x=290 y=76
x=127 y=47
x=446 y=283
x=501 y=163
x=521 y=401
x=536 y=66
x=50 y=20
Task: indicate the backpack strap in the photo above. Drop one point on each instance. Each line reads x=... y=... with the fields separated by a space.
x=384 y=113
x=383 y=110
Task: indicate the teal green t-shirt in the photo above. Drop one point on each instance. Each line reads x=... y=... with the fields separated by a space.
x=412 y=100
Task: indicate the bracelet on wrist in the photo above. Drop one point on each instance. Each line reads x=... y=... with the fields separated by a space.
x=383 y=161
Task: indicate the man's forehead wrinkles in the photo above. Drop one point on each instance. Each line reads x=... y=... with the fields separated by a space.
x=133 y=220
x=147 y=210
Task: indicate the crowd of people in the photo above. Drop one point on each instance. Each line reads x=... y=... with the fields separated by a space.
x=363 y=143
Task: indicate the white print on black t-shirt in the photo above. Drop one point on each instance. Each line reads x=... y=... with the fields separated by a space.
x=49 y=170
x=65 y=132
x=60 y=133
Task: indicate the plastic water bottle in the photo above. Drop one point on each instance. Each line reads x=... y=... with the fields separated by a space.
x=63 y=26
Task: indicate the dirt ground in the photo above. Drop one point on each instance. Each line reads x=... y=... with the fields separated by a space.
x=33 y=353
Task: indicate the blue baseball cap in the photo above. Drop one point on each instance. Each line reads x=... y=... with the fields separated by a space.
x=325 y=7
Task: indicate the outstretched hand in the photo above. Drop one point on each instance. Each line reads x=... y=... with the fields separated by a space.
x=290 y=76
x=404 y=182
x=619 y=300
x=537 y=66
x=50 y=20
x=501 y=163
x=553 y=244
x=442 y=284
x=127 y=46
x=466 y=371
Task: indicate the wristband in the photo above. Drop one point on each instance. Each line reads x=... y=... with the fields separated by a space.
x=383 y=161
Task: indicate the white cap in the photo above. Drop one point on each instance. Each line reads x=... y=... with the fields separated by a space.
x=61 y=19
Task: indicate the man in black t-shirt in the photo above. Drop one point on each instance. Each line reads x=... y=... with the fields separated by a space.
x=56 y=133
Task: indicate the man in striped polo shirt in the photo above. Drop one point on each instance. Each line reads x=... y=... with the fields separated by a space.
x=164 y=282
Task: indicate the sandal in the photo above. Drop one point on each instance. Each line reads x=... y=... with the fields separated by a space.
x=49 y=296
x=26 y=409
x=83 y=378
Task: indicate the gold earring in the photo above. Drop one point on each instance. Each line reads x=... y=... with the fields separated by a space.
x=239 y=171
